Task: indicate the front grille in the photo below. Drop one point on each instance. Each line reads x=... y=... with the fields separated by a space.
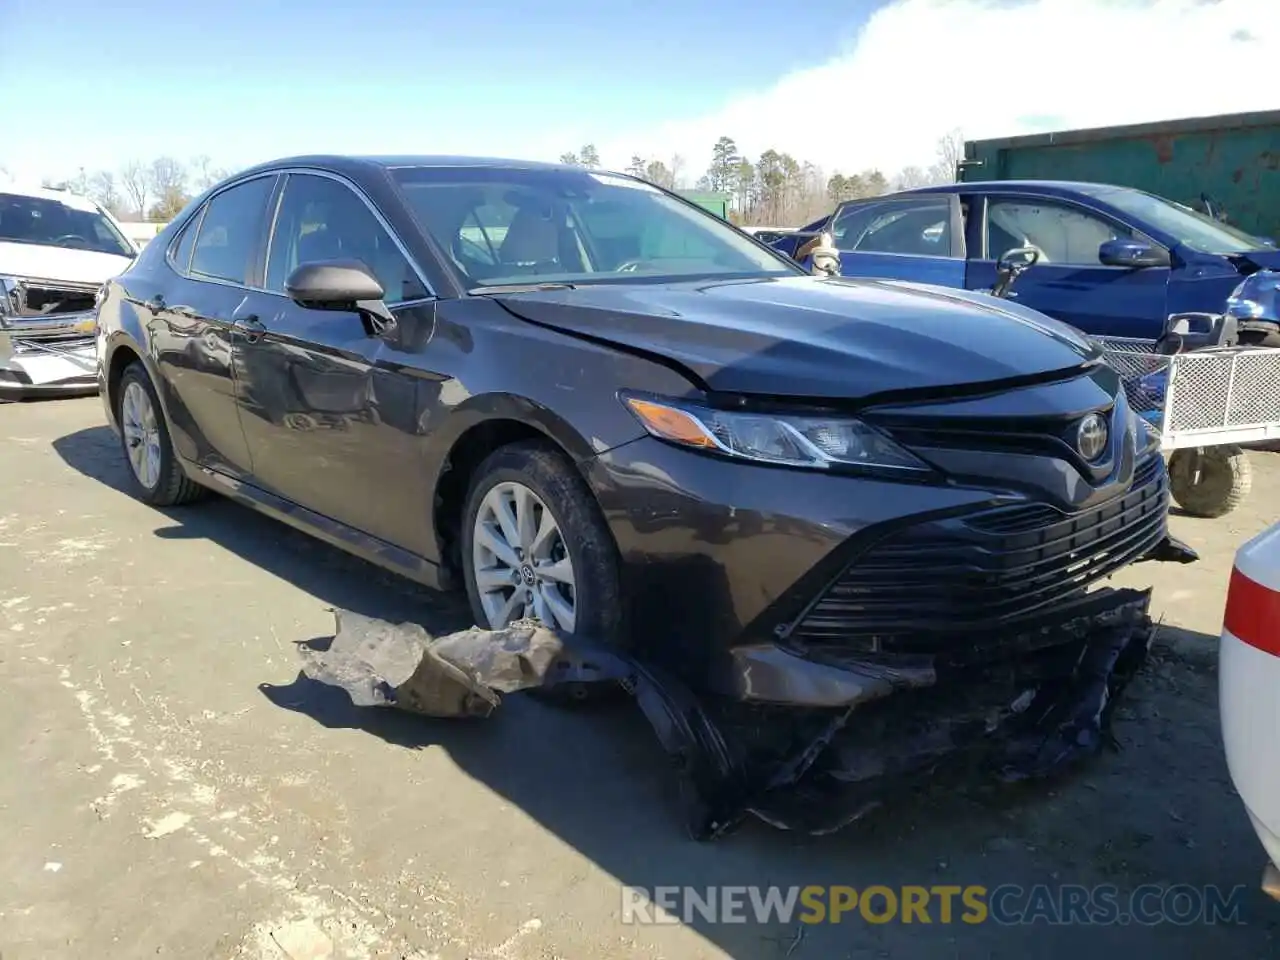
x=36 y=299
x=958 y=581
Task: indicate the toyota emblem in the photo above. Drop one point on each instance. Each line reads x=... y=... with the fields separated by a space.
x=1091 y=437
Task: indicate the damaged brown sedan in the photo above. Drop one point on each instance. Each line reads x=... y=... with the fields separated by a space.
x=828 y=531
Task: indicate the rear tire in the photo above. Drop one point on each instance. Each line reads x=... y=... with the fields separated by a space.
x=1210 y=481
x=156 y=475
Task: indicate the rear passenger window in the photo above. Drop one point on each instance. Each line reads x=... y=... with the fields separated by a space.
x=915 y=226
x=182 y=252
x=230 y=230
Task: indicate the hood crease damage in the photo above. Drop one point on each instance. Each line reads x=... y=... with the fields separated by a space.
x=1045 y=705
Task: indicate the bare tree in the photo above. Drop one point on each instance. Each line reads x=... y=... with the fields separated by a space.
x=677 y=171
x=909 y=178
x=204 y=174
x=657 y=173
x=102 y=188
x=168 y=178
x=136 y=181
x=946 y=169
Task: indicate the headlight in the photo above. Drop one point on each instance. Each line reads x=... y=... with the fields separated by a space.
x=1257 y=297
x=1145 y=433
x=796 y=441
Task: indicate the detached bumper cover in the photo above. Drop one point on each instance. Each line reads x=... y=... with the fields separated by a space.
x=806 y=769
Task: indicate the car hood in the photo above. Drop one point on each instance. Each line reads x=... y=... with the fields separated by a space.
x=40 y=262
x=811 y=337
x=1263 y=259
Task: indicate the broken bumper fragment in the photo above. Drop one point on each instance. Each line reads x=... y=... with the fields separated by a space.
x=884 y=723
x=47 y=338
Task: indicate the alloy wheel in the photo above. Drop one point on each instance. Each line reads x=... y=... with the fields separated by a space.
x=141 y=434
x=521 y=561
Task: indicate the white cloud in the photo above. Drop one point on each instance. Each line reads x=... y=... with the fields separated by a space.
x=921 y=68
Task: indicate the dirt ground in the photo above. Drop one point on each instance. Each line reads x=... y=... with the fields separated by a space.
x=171 y=787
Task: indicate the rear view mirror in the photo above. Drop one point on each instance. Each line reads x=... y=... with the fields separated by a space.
x=1133 y=254
x=333 y=284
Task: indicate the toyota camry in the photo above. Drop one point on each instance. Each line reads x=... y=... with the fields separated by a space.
x=581 y=398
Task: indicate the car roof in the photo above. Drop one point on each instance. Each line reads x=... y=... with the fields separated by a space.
x=355 y=164
x=1035 y=186
x=47 y=193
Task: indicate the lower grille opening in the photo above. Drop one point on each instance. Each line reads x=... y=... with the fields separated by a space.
x=964 y=582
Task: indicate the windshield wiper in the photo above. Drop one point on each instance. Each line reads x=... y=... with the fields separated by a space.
x=519 y=288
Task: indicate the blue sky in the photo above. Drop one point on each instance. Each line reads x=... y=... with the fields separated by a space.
x=847 y=84
x=243 y=80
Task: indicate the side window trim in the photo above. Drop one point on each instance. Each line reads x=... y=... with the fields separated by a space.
x=255 y=260
x=1069 y=203
x=382 y=221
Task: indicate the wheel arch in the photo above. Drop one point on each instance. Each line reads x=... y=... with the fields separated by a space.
x=121 y=351
x=477 y=428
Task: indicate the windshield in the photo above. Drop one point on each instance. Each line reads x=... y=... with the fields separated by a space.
x=518 y=226
x=56 y=223
x=1189 y=227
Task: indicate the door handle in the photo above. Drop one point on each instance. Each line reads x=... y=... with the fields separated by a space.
x=250 y=327
x=155 y=304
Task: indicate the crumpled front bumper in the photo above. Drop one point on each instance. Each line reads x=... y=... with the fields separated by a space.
x=810 y=769
x=35 y=361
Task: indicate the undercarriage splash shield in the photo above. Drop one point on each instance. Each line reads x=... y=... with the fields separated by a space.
x=1028 y=716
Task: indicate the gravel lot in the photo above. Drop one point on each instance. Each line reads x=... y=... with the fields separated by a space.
x=173 y=788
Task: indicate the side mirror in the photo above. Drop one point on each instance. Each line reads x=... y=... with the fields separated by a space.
x=333 y=284
x=1011 y=265
x=341 y=285
x=1133 y=254
x=1018 y=259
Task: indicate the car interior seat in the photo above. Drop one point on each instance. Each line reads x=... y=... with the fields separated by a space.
x=532 y=243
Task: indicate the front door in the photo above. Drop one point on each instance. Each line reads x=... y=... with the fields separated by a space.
x=1069 y=282
x=323 y=402
x=918 y=237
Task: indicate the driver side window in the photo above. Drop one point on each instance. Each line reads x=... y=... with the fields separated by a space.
x=322 y=219
x=1064 y=234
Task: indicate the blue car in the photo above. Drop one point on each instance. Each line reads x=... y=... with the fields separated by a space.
x=1114 y=262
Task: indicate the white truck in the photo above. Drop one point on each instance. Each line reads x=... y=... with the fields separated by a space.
x=56 y=251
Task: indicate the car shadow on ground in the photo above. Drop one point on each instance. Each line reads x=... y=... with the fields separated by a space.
x=1159 y=810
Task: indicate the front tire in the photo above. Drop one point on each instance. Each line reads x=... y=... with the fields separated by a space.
x=535 y=544
x=158 y=478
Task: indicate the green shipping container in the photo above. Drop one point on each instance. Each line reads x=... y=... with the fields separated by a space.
x=717 y=203
x=1232 y=161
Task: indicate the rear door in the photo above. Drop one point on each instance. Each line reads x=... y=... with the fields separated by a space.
x=1069 y=282
x=918 y=237
x=192 y=319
